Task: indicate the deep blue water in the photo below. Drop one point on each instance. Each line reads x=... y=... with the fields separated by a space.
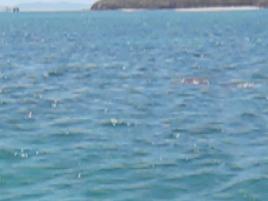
x=146 y=106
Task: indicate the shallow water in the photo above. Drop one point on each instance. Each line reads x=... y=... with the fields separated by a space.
x=134 y=106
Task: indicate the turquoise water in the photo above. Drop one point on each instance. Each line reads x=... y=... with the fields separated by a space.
x=111 y=106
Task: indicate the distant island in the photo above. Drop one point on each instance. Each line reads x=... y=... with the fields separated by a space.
x=9 y=9
x=174 y=4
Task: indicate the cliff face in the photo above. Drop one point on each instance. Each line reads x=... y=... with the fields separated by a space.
x=166 y=4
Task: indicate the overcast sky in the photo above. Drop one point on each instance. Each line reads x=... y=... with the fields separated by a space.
x=14 y=2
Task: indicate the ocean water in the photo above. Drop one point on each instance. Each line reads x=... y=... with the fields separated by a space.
x=145 y=106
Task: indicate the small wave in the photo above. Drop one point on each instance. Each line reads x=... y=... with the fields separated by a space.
x=246 y=85
x=207 y=129
x=259 y=76
x=116 y=123
x=195 y=81
x=26 y=153
x=53 y=73
x=248 y=115
x=242 y=84
x=67 y=121
x=82 y=66
x=240 y=181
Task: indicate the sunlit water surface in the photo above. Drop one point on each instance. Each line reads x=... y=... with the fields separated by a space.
x=146 y=106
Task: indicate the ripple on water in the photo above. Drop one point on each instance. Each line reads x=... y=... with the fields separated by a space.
x=248 y=187
x=242 y=84
x=195 y=81
x=113 y=122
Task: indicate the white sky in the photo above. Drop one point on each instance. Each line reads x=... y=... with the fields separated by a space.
x=14 y=2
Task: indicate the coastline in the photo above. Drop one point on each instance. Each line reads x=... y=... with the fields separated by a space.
x=131 y=10
x=218 y=9
x=197 y=9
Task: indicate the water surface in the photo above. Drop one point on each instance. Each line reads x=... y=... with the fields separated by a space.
x=134 y=106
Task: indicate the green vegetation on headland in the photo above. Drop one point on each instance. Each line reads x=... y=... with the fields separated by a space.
x=172 y=4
